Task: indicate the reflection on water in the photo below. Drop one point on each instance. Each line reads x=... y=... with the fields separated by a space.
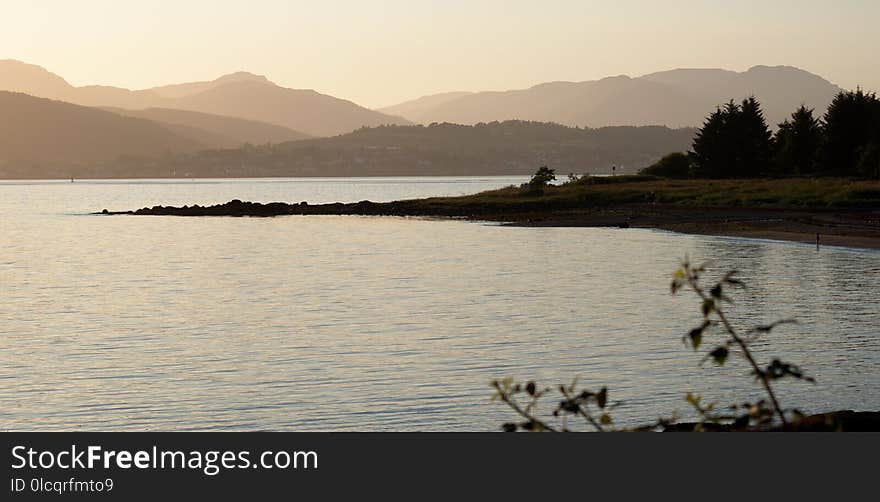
x=356 y=323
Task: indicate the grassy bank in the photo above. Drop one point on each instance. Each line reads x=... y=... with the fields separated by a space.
x=596 y=192
x=834 y=210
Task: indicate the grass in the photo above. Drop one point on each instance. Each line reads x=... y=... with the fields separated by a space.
x=607 y=191
x=613 y=200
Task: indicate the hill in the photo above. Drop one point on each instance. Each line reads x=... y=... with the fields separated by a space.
x=302 y=110
x=512 y=147
x=16 y=76
x=42 y=138
x=215 y=131
x=190 y=88
x=675 y=98
x=241 y=94
x=416 y=106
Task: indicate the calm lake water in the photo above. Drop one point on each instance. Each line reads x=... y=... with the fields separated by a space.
x=368 y=323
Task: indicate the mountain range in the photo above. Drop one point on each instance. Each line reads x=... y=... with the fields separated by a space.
x=510 y=147
x=214 y=131
x=45 y=138
x=242 y=95
x=675 y=98
x=51 y=128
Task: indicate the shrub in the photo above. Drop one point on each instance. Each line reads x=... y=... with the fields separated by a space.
x=675 y=165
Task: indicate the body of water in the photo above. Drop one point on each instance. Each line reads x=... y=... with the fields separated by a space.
x=380 y=323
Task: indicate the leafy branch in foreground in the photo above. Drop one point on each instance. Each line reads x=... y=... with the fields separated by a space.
x=592 y=407
x=574 y=403
x=688 y=277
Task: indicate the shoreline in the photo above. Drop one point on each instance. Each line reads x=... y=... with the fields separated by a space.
x=853 y=228
x=858 y=228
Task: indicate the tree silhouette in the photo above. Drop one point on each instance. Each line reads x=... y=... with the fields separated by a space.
x=797 y=144
x=753 y=140
x=869 y=161
x=852 y=135
x=710 y=158
x=734 y=142
x=542 y=177
x=869 y=154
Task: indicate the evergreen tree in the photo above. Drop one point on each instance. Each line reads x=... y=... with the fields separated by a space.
x=869 y=158
x=753 y=140
x=851 y=131
x=734 y=142
x=797 y=144
x=710 y=158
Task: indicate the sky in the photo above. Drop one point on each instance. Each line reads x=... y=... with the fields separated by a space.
x=378 y=53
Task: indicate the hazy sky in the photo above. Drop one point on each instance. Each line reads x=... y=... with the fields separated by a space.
x=378 y=53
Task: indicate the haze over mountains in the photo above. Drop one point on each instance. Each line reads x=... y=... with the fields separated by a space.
x=109 y=131
x=675 y=98
x=214 y=131
x=41 y=137
x=510 y=147
x=242 y=95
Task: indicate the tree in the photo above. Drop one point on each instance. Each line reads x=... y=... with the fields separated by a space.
x=753 y=139
x=675 y=165
x=710 y=159
x=542 y=177
x=869 y=161
x=797 y=143
x=734 y=142
x=851 y=134
x=869 y=158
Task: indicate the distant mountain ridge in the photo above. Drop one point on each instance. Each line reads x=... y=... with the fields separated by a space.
x=240 y=94
x=215 y=131
x=415 y=106
x=190 y=88
x=674 y=98
x=235 y=125
x=46 y=138
x=511 y=147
